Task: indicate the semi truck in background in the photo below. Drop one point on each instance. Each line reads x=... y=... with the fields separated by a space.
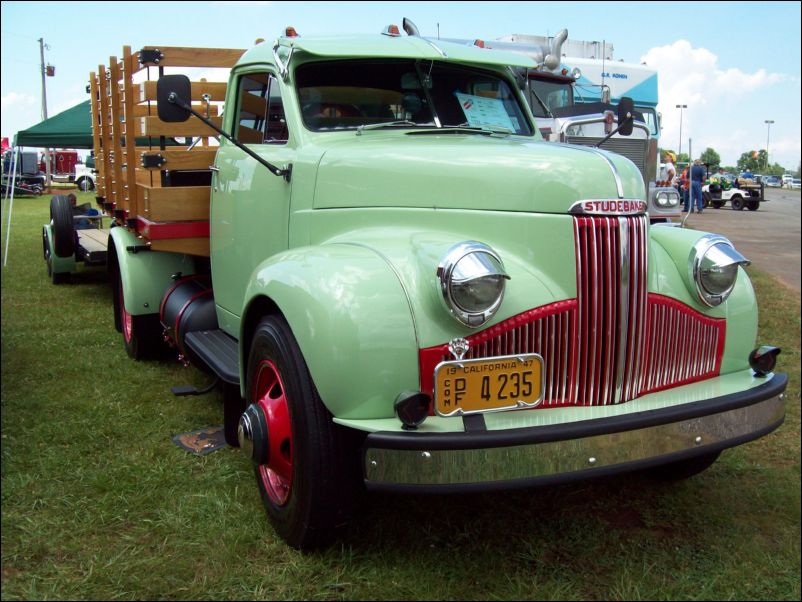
x=574 y=96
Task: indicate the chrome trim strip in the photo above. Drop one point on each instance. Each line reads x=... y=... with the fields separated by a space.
x=623 y=307
x=422 y=467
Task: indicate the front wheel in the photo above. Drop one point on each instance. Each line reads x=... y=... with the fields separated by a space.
x=752 y=205
x=306 y=471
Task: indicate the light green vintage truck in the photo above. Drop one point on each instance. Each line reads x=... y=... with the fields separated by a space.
x=401 y=287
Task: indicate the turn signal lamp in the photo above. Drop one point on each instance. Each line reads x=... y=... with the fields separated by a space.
x=412 y=408
x=289 y=32
x=763 y=359
x=479 y=43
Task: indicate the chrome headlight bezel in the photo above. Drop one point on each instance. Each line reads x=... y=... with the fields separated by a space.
x=486 y=263
x=666 y=200
x=704 y=269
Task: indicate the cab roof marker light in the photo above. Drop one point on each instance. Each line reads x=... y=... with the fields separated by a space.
x=392 y=31
x=289 y=32
x=479 y=43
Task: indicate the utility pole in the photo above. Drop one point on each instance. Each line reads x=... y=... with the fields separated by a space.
x=768 y=123
x=680 y=107
x=44 y=108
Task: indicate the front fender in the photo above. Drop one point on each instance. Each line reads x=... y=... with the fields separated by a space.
x=671 y=252
x=145 y=274
x=352 y=320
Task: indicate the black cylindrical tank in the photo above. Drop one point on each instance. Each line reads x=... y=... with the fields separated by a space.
x=188 y=306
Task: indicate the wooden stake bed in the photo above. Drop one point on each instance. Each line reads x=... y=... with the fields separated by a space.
x=153 y=176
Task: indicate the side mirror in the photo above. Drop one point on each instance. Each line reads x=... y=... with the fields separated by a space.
x=626 y=119
x=169 y=89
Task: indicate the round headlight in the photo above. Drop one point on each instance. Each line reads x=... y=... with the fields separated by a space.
x=472 y=279
x=666 y=199
x=714 y=267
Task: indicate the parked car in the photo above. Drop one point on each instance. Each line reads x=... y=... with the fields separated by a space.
x=772 y=181
x=794 y=184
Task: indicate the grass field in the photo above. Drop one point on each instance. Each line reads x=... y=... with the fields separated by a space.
x=98 y=503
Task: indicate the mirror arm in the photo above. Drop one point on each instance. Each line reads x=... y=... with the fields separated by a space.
x=608 y=136
x=173 y=98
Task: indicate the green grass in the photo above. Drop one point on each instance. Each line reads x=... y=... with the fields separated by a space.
x=98 y=503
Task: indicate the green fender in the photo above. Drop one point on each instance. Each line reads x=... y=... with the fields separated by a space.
x=673 y=246
x=146 y=275
x=351 y=318
x=60 y=265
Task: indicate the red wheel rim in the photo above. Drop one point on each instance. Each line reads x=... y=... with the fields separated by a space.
x=125 y=317
x=271 y=396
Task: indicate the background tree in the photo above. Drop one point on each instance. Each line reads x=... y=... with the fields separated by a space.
x=753 y=160
x=711 y=158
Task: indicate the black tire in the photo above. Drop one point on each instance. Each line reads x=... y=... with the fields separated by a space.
x=85 y=184
x=752 y=205
x=319 y=458
x=142 y=335
x=707 y=199
x=684 y=469
x=62 y=226
x=718 y=204
x=233 y=407
x=737 y=203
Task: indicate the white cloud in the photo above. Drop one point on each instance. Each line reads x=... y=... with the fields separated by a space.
x=693 y=77
x=15 y=100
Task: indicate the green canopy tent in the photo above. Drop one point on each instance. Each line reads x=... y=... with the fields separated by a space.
x=69 y=129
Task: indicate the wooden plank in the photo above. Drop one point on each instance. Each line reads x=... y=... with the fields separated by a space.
x=150 y=111
x=94 y=103
x=189 y=246
x=249 y=135
x=176 y=203
x=93 y=240
x=130 y=139
x=153 y=126
x=107 y=170
x=197 y=158
x=216 y=90
x=255 y=105
x=180 y=56
x=116 y=113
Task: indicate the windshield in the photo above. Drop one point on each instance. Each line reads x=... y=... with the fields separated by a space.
x=650 y=117
x=552 y=94
x=337 y=95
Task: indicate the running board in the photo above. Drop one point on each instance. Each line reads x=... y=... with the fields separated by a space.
x=217 y=350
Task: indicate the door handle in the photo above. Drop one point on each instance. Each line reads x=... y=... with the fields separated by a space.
x=214 y=169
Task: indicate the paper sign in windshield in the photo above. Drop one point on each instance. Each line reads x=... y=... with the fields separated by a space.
x=482 y=111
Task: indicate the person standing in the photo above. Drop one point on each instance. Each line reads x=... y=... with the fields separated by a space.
x=698 y=174
x=668 y=168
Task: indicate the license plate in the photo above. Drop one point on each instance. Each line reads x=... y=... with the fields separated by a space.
x=488 y=385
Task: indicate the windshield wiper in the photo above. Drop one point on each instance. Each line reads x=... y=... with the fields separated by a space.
x=390 y=124
x=480 y=129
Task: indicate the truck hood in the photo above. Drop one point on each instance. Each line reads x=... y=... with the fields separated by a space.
x=468 y=171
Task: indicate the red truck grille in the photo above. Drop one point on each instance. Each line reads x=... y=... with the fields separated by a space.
x=615 y=341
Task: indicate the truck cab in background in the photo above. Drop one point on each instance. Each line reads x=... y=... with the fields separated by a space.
x=573 y=96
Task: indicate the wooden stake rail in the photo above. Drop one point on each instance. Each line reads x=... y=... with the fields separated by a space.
x=152 y=175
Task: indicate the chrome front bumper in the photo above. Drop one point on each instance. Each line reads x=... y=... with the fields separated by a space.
x=481 y=460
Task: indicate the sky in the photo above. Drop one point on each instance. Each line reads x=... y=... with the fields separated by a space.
x=734 y=64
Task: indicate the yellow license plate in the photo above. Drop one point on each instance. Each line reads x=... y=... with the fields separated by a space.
x=488 y=385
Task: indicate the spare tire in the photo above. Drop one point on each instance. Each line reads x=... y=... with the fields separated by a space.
x=62 y=226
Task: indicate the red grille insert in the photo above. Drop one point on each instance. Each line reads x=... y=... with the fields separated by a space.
x=615 y=341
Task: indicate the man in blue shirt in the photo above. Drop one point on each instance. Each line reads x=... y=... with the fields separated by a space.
x=698 y=174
